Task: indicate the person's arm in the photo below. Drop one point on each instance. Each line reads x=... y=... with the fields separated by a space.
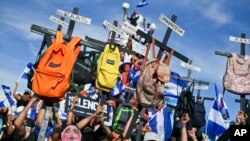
x=40 y=115
x=10 y=127
x=184 y=133
x=184 y=120
x=81 y=124
x=57 y=130
x=106 y=129
x=3 y=110
x=17 y=97
x=191 y=133
x=70 y=112
x=22 y=115
x=19 y=126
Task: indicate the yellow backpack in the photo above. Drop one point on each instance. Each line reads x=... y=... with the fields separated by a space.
x=108 y=68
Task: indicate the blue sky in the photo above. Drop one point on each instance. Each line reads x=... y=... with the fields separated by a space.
x=207 y=24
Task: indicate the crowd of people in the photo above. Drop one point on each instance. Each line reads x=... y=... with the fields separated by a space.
x=23 y=121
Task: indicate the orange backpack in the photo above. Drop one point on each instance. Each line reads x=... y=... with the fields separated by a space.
x=51 y=79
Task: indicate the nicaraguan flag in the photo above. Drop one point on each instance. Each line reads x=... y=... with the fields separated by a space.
x=222 y=104
x=173 y=89
x=7 y=99
x=134 y=76
x=31 y=114
x=142 y=3
x=26 y=71
x=61 y=112
x=118 y=89
x=216 y=123
x=160 y=123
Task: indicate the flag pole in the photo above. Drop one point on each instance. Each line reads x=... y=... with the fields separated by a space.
x=208 y=118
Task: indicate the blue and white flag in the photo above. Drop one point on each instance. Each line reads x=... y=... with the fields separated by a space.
x=173 y=89
x=26 y=71
x=7 y=98
x=216 y=122
x=142 y=3
x=134 y=76
x=31 y=114
x=118 y=89
x=61 y=112
x=161 y=124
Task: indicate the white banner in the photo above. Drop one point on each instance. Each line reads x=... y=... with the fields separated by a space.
x=239 y=40
x=201 y=87
x=129 y=28
x=141 y=49
x=191 y=67
x=112 y=27
x=172 y=25
x=73 y=17
x=138 y=48
x=58 y=21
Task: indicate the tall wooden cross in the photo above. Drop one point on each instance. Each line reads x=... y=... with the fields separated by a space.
x=243 y=41
x=191 y=68
x=73 y=18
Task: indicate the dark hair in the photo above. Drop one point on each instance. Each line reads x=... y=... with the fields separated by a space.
x=122 y=66
x=26 y=92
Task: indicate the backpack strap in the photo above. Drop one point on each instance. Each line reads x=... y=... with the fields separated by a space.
x=129 y=43
x=168 y=57
x=46 y=40
x=75 y=46
x=147 y=51
x=59 y=37
x=153 y=46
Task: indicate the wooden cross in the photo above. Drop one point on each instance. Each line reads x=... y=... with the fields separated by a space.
x=243 y=42
x=48 y=109
x=199 y=82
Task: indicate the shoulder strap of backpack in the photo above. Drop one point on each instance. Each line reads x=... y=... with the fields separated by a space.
x=59 y=37
x=74 y=45
x=46 y=40
x=130 y=43
x=153 y=46
x=168 y=57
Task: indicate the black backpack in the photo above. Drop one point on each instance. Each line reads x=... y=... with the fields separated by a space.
x=84 y=69
x=199 y=115
x=185 y=103
x=121 y=117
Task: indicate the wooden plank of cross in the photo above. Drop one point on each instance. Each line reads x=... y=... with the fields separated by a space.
x=243 y=41
x=73 y=18
x=171 y=27
x=199 y=87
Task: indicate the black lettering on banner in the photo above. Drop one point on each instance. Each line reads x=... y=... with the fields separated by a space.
x=85 y=106
x=239 y=132
x=66 y=15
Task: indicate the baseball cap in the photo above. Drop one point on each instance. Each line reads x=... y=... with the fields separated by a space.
x=151 y=136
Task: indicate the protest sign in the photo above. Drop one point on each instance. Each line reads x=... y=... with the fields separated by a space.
x=85 y=106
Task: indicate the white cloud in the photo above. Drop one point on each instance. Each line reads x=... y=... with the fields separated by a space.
x=211 y=9
x=215 y=12
x=21 y=20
